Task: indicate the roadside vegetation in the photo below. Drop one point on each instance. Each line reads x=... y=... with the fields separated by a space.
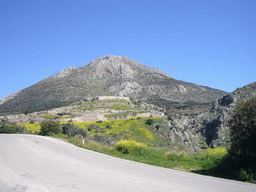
x=137 y=139
x=13 y=128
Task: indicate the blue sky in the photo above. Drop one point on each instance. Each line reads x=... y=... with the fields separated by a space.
x=210 y=43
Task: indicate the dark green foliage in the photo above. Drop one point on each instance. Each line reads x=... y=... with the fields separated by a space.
x=108 y=126
x=92 y=126
x=99 y=138
x=243 y=135
x=170 y=118
x=50 y=127
x=149 y=122
x=12 y=128
x=26 y=112
x=157 y=126
x=71 y=130
x=82 y=131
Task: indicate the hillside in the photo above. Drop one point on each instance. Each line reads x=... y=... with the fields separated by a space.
x=212 y=126
x=184 y=128
x=107 y=76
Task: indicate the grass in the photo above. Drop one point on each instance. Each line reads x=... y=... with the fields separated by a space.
x=206 y=162
x=117 y=137
x=140 y=152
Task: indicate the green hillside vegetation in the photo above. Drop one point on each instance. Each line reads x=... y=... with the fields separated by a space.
x=11 y=128
x=136 y=139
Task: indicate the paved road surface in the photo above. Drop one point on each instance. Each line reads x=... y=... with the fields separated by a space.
x=35 y=163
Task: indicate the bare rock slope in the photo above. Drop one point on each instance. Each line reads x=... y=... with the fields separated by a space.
x=107 y=76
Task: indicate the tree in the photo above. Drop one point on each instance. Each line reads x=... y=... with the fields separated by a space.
x=149 y=122
x=26 y=112
x=157 y=126
x=50 y=127
x=71 y=130
x=12 y=128
x=243 y=134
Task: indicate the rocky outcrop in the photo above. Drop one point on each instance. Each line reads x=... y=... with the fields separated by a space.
x=212 y=126
x=64 y=73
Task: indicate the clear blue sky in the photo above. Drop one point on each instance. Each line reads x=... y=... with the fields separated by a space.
x=207 y=42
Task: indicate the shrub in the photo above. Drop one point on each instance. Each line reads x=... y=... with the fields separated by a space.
x=26 y=112
x=33 y=127
x=92 y=126
x=129 y=146
x=243 y=134
x=82 y=131
x=108 y=126
x=149 y=122
x=50 y=127
x=170 y=118
x=12 y=128
x=157 y=126
x=71 y=130
x=215 y=154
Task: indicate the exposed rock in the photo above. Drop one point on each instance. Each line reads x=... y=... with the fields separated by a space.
x=65 y=72
x=107 y=76
x=9 y=97
x=109 y=65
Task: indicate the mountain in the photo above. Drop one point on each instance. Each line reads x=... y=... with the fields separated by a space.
x=212 y=126
x=107 y=76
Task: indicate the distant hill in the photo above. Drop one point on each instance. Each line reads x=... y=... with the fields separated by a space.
x=107 y=76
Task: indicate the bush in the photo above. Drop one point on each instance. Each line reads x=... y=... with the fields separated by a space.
x=243 y=135
x=92 y=126
x=127 y=147
x=12 y=128
x=108 y=126
x=82 y=131
x=157 y=126
x=71 y=130
x=50 y=127
x=170 y=118
x=215 y=154
x=149 y=122
x=26 y=112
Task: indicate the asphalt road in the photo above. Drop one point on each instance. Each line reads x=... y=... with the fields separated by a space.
x=35 y=163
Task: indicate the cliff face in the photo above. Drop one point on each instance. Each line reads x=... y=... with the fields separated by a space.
x=211 y=128
x=107 y=76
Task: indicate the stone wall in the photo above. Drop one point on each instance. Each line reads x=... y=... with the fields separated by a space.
x=106 y=98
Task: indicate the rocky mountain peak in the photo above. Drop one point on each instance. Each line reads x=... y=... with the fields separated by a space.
x=65 y=72
x=124 y=66
x=107 y=76
x=110 y=65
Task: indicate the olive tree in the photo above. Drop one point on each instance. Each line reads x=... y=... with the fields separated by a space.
x=50 y=127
